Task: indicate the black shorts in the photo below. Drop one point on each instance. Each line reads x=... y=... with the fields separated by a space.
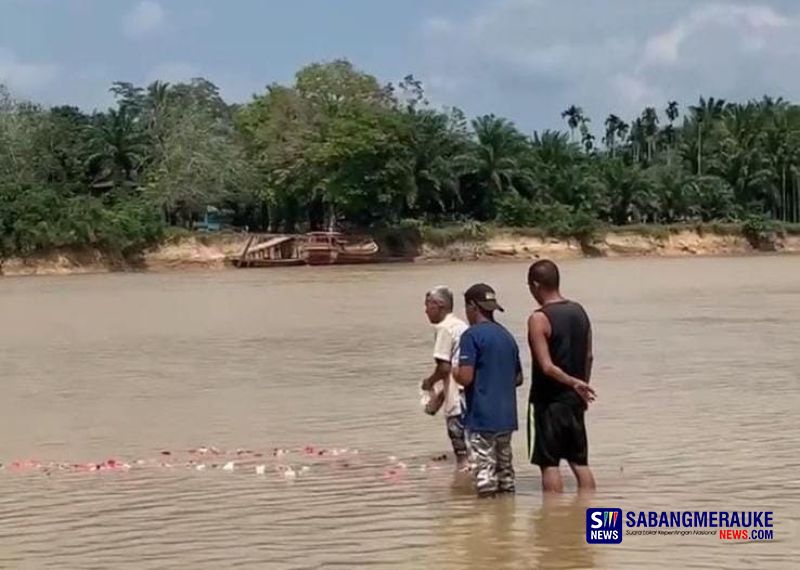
x=556 y=431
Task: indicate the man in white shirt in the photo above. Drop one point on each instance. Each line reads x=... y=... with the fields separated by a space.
x=444 y=391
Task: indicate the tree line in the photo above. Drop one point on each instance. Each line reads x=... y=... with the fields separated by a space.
x=337 y=148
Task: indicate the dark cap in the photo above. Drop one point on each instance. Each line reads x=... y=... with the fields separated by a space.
x=483 y=296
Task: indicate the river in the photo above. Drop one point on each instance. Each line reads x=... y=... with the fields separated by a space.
x=697 y=370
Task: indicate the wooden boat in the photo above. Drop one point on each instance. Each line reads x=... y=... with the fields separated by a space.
x=276 y=251
x=333 y=248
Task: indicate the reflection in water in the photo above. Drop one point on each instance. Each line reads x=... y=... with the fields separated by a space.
x=124 y=366
x=553 y=528
x=491 y=541
x=475 y=533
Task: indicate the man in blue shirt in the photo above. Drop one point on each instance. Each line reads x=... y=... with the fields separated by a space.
x=490 y=370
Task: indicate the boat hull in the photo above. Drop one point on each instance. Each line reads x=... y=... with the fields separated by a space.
x=320 y=255
x=267 y=262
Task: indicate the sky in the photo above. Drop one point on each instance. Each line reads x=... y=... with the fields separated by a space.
x=527 y=60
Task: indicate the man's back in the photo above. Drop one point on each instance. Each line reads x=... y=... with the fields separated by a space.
x=569 y=349
x=491 y=398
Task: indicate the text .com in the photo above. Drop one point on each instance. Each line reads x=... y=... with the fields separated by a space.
x=746 y=534
x=609 y=525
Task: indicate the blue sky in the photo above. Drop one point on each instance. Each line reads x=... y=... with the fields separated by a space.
x=524 y=59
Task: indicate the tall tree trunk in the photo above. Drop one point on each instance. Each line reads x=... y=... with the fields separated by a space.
x=331 y=217
x=699 y=150
x=796 y=199
x=783 y=193
x=271 y=217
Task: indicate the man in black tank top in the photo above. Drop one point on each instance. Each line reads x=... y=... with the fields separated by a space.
x=560 y=340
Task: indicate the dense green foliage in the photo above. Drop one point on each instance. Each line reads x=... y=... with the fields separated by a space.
x=337 y=148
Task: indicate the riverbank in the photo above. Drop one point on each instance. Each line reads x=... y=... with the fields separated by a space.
x=654 y=242
x=185 y=253
x=211 y=251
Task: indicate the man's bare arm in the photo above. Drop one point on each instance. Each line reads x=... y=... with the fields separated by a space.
x=441 y=372
x=465 y=375
x=538 y=333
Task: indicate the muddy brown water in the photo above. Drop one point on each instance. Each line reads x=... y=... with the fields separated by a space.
x=697 y=370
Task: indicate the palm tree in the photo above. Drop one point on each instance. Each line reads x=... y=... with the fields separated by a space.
x=553 y=147
x=672 y=184
x=574 y=116
x=630 y=191
x=780 y=153
x=435 y=144
x=587 y=138
x=637 y=139
x=740 y=159
x=158 y=99
x=770 y=105
x=672 y=113
x=495 y=163
x=649 y=126
x=119 y=147
x=705 y=113
x=613 y=123
x=157 y=103
x=555 y=162
x=622 y=130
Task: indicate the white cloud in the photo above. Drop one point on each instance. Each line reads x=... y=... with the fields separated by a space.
x=25 y=77
x=634 y=92
x=664 y=47
x=145 y=18
x=530 y=59
x=754 y=22
x=436 y=26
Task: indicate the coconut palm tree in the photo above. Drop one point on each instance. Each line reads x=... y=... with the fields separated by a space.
x=672 y=113
x=613 y=123
x=587 y=138
x=705 y=113
x=622 y=130
x=574 y=117
x=649 y=126
x=637 y=140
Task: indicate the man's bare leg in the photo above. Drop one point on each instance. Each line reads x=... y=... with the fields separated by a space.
x=584 y=476
x=551 y=480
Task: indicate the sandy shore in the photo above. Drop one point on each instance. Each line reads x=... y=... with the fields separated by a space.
x=614 y=244
x=211 y=252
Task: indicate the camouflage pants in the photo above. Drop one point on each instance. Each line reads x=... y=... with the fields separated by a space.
x=458 y=438
x=494 y=470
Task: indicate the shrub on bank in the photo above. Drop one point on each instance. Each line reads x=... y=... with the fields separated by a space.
x=36 y=219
